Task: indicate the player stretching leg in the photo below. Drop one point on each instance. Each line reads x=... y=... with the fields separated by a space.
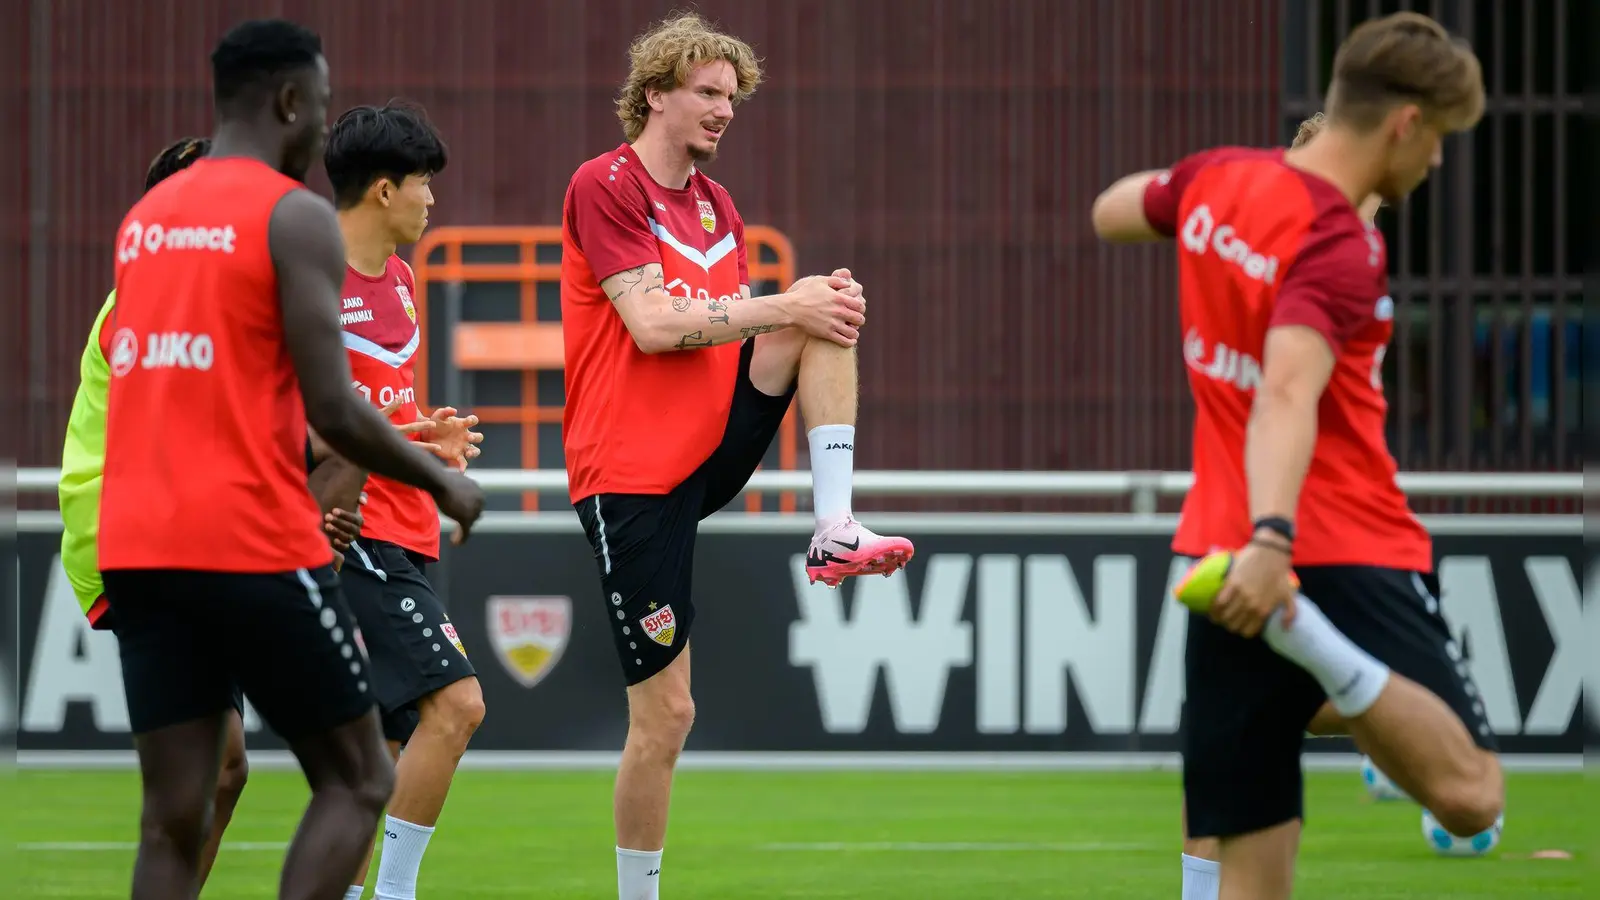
x=82 y=464
x=1286 y=314
x=216 y=568
x=380 y=161
x=677 y=380
x=1200 y=854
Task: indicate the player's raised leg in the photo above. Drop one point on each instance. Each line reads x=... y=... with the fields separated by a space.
x=828 y=389
x=1381 y=649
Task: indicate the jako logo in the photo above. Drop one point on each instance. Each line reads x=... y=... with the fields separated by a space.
x=154 y=238
x=124 y=352
x=178 y=350
x=1224 y=364
x=1201 y=230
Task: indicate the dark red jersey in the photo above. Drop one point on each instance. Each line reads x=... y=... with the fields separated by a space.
x=638 y=423
x=1262 y=244
x=381 y=334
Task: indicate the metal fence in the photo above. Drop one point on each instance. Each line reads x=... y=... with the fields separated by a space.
x=1484 y=372
x=946 y=150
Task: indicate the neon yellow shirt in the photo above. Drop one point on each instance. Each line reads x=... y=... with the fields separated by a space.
x=83 y=458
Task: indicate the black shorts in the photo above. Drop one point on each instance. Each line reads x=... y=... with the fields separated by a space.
x=414 y=648
x=1247 y=708
x=644 y=543
x=236 y=698
x=191 y=641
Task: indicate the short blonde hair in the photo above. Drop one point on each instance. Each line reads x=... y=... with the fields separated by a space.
x=1309 y=129
x=1405 y=58
x=663 y=57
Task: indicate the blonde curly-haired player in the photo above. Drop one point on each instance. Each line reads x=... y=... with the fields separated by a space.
x=677 y=380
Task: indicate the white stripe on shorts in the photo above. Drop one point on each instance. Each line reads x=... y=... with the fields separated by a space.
x=312 y=590
x=605 y=549
x=367 y=561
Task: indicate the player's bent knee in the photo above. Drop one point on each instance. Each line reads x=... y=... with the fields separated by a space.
x=1472 y=802
x=231 y=777
x=457 y=710
x=369 y=787
x=373 y=791
x=235 y=768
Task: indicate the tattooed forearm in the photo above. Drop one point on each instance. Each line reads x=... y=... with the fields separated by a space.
x=694 y=340
x=754 y=330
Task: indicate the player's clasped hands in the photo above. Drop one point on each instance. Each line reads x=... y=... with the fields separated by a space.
x=1258 y=583
x=447 y=435
x=830 y=307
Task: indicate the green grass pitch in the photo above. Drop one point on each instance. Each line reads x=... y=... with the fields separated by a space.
x=892 y=835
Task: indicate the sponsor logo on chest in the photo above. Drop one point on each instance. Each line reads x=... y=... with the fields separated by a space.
x=375 y=314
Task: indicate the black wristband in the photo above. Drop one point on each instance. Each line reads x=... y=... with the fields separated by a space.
x=1272 y=545
x=1276 y=524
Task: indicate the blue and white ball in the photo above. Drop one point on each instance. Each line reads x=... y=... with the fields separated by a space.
x=1446 y=844
x=1378 y=784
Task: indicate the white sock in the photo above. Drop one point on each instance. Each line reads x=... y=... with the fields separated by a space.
x=354 y=893
x=403 y=846
x=638 y=874
x=1202 y=878
x=833 y=461
x=1350 y=675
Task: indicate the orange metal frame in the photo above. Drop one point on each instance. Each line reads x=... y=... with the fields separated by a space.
x=528 y=273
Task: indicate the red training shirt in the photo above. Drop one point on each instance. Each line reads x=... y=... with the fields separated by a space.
x=1262 y=244
x=382 y=337
x=205 y=426
x=637 y=423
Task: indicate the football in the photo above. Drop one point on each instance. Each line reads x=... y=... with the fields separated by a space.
x=1378 y=785
x=1446 y=844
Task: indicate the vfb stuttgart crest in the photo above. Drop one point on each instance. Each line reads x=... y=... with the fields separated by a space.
x=405 y=300
x=529 y=634
x=708 y=216
x=660 y=626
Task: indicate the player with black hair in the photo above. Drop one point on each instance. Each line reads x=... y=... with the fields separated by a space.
x=394 y=143
x=214 y=563
x=381 y=161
